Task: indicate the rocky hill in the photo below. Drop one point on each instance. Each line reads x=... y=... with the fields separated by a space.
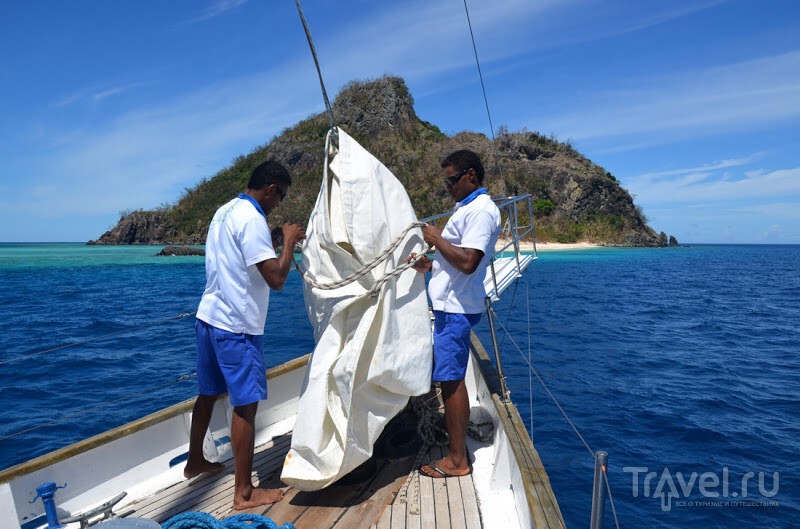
x=575 y=199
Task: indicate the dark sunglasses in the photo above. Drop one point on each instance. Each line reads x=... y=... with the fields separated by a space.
x=281 y=192
x=453 y=180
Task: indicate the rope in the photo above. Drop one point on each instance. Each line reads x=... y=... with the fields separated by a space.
x=84 y=412
x=151 y=324
x=427 y=426
x=202 y=520
x=331 y=120
x=480 y=74
x=376 y=288
x=428 y=419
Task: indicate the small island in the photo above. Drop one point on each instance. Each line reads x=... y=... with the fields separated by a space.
x=575 y=201
x=181 y=250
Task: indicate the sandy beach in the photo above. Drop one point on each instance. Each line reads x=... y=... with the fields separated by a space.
x=527 y=246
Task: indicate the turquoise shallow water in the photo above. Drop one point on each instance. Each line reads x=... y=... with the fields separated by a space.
x=678 y=362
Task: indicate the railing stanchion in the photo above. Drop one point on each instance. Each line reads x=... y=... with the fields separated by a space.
x=503 y=387
x=599 y=492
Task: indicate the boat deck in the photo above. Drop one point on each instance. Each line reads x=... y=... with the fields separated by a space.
x=376 y=496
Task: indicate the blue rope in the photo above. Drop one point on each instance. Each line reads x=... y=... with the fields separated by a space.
x=202 y=520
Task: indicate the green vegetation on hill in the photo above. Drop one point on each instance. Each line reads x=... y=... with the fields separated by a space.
x=574 y=198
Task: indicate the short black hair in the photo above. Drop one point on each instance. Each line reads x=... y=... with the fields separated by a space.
x=463 y=160
x=269 y=172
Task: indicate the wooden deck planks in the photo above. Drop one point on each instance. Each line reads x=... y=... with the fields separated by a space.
x=472 y=515
x=427 y=511
x=377 y=502
x=292 y=506
x=206 y=490
x=455 y=503
x=386 y=520
x=379 y=494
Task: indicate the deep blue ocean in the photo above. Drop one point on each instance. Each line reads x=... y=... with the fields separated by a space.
x=682 y=363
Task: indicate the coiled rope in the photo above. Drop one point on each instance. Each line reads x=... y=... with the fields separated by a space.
x=428 y=419
x=202 y=520
x=376 y=288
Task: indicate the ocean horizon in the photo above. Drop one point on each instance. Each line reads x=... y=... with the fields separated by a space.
x=678 y=362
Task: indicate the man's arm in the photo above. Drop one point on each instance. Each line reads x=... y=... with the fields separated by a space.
x=465 y=260
x=275 y=271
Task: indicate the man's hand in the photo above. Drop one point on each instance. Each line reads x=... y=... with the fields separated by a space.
x=431 y=234
x=423 y=265
x=277 y=237
x=465 y=260
x=292 y=234
x=274 y=271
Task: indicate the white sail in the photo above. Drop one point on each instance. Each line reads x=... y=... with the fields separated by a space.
x=370 y=354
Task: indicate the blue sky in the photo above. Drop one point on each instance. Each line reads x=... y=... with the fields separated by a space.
x=693 y=105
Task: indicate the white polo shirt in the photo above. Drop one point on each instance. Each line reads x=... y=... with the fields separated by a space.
x=236 y=297
x=473 y=225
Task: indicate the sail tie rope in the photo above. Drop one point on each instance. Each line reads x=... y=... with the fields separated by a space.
x=367 y=267
x=202 y=520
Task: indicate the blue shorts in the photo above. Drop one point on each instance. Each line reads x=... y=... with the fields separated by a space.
x=232 y=363
x=451 y=344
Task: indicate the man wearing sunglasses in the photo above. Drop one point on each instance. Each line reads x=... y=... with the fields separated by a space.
x=241 y=268
x=464 y=249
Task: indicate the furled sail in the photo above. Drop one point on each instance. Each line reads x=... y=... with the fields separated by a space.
x=373 y=348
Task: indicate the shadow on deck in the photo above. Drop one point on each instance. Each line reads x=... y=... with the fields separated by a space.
x=375 y=495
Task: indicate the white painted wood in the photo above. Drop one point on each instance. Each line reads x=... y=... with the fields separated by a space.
x=7 y=502
x=136 y=462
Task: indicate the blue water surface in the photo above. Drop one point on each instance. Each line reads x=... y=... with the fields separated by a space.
x=678 y=362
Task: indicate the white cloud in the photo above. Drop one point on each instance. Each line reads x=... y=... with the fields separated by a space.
x=710 y=187
x=95 y=94
x=724 y=164
x=140 y=158
x=218 y=8
x=739 y=96
x=114 y=90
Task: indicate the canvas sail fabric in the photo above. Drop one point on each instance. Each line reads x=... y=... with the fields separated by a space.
x=372 y=353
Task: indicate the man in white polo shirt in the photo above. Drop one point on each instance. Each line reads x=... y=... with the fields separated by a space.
x=241 y=268
x=463 y=251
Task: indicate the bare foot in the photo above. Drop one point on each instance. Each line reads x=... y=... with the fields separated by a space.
x=206 y=466
x=257 y=498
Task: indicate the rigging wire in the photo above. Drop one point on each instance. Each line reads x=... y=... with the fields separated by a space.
x=610 y=498
x=530 y=361
x=564 y=413
x=480 y=74
x=331 y=119
x=103 y=405
x=123 y=331
x=527 y=295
